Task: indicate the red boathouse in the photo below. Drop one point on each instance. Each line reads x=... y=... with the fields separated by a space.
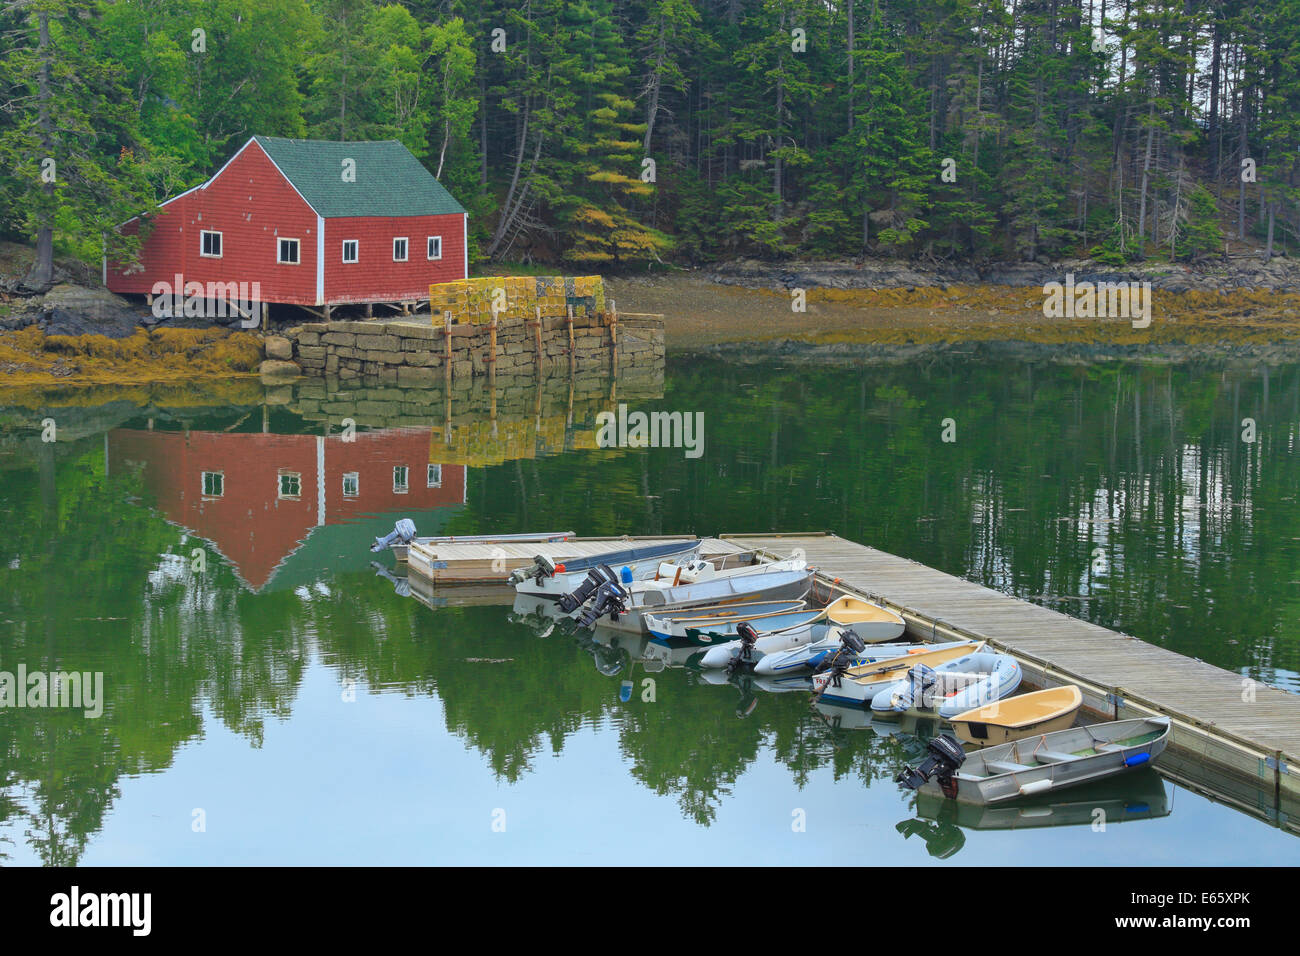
x=314 y=223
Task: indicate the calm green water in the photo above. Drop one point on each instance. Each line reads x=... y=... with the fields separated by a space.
x=270 y=698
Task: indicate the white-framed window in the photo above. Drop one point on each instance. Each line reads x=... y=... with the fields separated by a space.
x=400 y=479
x=209 y=244
x=435 y=247
x=288 y=252
x=214 y=484
x=399 y=249
x=290 y=484
x=434 y=476
x=351 y=249
x=351 y=484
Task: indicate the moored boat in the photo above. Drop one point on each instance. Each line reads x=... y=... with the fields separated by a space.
x=1039 y=712
x=822 y=627
x=950 y=687
x=871 y=622
x=615 y=607
x=1039 y=764
x=551 y=579
x=852 y=686
x=752 y=644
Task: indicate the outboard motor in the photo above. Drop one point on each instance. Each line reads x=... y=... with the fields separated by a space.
x=610 y=599
x=745 y=631
x=944 y=756
x=850 y=642
x=601 y=574
x=403 y=532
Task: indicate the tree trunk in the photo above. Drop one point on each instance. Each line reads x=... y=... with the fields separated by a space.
x=1241 y=183
x=851 y=38
x=1146 y=172
x=652 y=107
x=482 y=129
x=1272 y=215
x=1215 y=65
x=41 y=275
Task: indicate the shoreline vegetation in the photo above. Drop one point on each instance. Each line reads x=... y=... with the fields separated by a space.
x=866 y=312
x=852 y=310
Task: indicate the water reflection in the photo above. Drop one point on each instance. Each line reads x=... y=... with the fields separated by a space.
x=1198 y=532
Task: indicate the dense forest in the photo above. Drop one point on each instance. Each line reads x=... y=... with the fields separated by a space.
x=618 y=133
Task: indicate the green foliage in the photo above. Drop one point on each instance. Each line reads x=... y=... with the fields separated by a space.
x=1201 y=235
x=776 y=127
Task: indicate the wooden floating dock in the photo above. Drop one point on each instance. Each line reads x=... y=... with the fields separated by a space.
x=1235 y=742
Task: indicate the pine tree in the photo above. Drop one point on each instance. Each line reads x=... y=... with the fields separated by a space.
x=73 y=175
x=892 y=163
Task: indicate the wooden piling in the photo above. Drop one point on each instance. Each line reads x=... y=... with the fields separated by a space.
x=537 y=342
x=491 y=357
x=573 y=359
x=446 y=354
x=613 y=338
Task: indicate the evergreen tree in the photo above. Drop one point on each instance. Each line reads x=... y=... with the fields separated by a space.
x=72 y=174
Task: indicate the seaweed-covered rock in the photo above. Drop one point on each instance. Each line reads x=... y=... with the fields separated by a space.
x=77 y=310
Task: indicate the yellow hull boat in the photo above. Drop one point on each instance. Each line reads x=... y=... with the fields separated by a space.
x=870 y=622
x=1015 y=718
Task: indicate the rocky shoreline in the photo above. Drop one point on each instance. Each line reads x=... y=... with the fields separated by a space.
x=858 y=310
x=1058 y=353
x=1211 y=275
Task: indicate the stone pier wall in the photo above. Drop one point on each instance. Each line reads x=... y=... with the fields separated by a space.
x=411 y=352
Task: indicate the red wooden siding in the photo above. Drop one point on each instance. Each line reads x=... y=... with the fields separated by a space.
x=250 y=525
x=375 y=275
x=372 y=457
x=251 y=205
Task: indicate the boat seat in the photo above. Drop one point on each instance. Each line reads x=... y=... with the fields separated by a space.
x=1053 y=756
x=1006 y=766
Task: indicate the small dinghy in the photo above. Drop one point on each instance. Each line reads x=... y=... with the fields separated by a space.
x=1039 y=764
x=951 y=687
x=612 y=605
x=711 y=632
x=733 y=613
x=671 y=577
x=551 y=579
x=810 y=656
x=1041 y=712
x=849 y=685
x=751 y=644
x=870 y=622
x=705 y=628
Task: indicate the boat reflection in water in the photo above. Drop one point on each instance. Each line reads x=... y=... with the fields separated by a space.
x=1141 y=795
x=906 y=728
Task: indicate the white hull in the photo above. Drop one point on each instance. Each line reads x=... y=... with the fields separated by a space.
x=966 y=683
x=761 y=584
x=724 y=654
x=797 y=660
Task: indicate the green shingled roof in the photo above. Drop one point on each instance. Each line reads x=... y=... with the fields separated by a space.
x=390 y=181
